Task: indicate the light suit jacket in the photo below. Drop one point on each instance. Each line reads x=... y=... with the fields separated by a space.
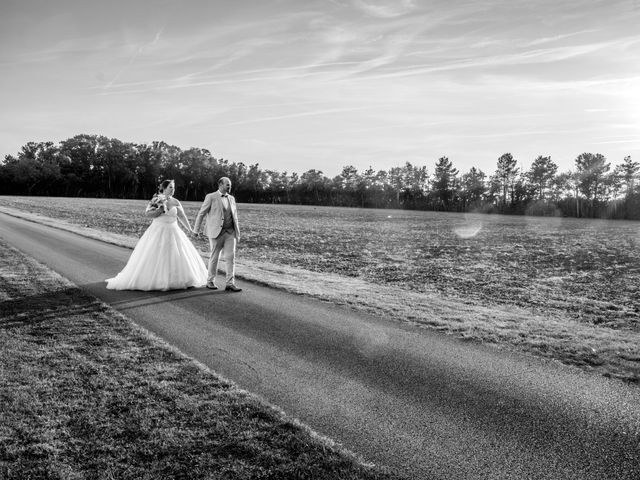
x=212 y=211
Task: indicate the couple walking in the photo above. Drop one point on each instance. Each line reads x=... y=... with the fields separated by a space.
x=165 y=259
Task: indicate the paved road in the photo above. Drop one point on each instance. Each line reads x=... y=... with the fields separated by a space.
x=422 y=403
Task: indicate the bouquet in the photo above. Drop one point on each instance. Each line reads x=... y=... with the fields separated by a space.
x=158 y=201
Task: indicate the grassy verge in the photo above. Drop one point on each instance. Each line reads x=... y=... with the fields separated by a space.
x=546 y=287
x=85 y=394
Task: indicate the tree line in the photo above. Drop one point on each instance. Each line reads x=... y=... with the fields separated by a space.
x=97 y=166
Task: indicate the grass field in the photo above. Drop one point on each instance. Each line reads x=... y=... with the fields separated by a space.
x=84 y=394
x=558 y=287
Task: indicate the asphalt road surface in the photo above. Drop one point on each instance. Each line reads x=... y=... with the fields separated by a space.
x=400 y=396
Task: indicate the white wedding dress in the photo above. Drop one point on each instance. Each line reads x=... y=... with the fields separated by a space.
x=164 y=259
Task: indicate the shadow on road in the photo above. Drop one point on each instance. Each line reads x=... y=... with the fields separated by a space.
x=30 y=309
x=126 y=299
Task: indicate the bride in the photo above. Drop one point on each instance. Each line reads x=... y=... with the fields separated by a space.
x=164 y=258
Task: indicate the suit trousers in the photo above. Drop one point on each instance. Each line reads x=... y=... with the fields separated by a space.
x=225 y=242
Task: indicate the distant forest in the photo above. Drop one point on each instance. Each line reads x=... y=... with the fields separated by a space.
x=97 y=166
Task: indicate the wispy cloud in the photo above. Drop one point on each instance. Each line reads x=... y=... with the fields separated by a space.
x=384 y=9
x=537 y=56
x=311 y=113
x=635 y=140
x=556 y=38
x=138 y=50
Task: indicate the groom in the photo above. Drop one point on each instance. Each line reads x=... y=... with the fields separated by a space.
x=219 y=208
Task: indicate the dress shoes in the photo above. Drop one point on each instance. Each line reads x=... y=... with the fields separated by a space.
x=232 y=288
x=211 y=286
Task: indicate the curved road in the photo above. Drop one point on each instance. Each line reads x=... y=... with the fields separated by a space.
x=404 y=397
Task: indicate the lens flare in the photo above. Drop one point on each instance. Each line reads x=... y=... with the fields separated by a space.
x=471 y=226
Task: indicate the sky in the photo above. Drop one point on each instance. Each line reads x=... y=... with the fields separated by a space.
x=295 y=85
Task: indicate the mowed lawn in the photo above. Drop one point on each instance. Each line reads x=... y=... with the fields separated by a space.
x=85 y=394
x=563 y=288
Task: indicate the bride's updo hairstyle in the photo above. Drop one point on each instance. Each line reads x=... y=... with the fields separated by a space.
x=164 y=185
